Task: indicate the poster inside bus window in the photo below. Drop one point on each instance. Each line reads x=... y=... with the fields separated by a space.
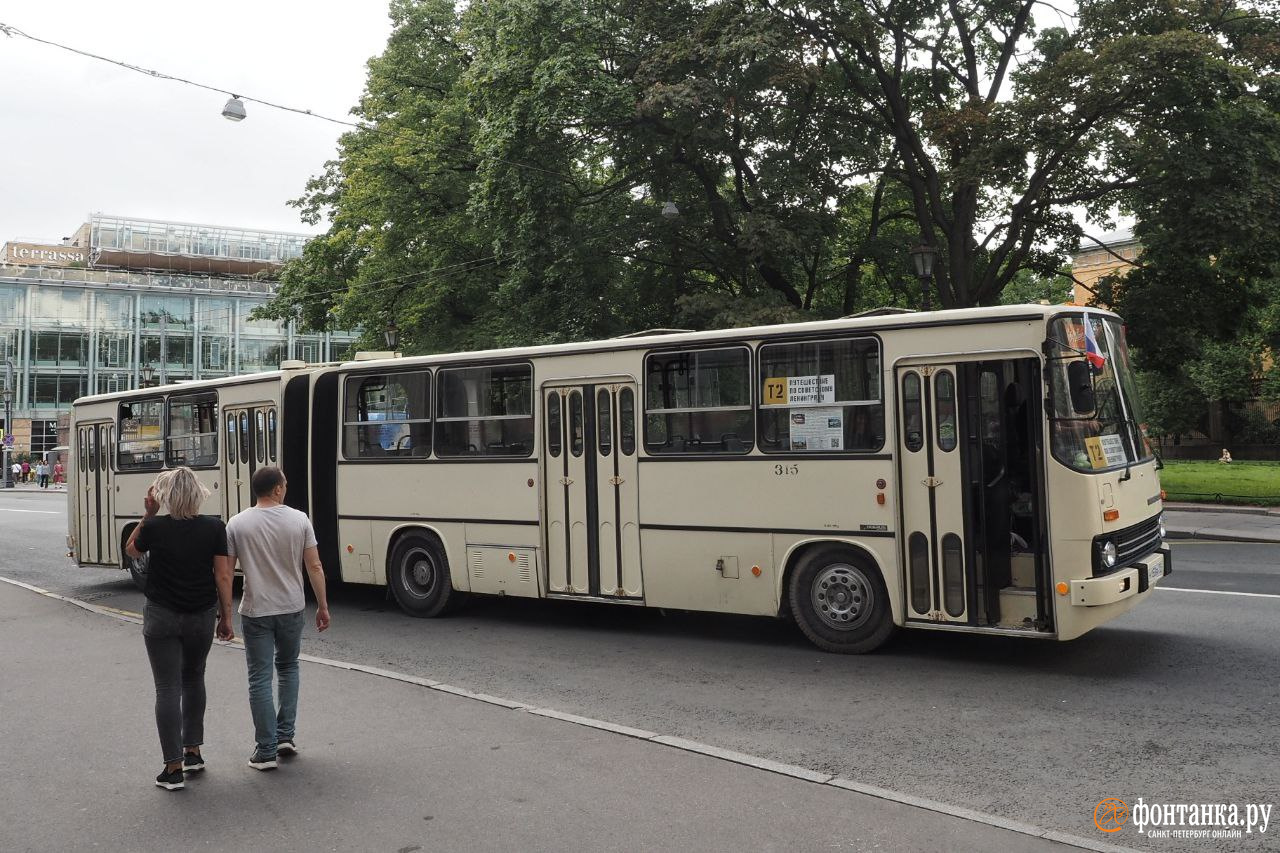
x=819 y=428
x=799 y=390
x=1105 y=451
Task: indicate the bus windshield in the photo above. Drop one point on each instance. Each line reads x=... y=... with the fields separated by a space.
x=1096 y=419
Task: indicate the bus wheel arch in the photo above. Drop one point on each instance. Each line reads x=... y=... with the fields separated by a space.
x=135 y=566
x=838 y=597
x=418 y=573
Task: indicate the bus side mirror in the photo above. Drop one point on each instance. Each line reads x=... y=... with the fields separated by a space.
x=1080 y=381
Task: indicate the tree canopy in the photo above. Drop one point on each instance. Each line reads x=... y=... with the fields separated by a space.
x=542 y=170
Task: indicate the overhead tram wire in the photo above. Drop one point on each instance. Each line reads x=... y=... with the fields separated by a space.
x=11 y=31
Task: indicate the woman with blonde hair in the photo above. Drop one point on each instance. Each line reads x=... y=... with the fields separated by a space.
x=185 y=548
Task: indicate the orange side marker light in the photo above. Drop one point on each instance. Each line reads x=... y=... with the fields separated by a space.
x=1063 y=589
x=351 y=549
x=880 y=498
x=511 y=556
x=1110 y=514
x=755 y=570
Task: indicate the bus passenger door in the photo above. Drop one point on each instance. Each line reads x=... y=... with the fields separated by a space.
x=250 y=438
x=106 y=469
x=89 y=486
x=593 y=538
x=95 y=536
x=932 y=483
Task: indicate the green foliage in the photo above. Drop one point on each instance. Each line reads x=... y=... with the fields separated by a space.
x=1030 y=287
x=510 y=182
x=1172 y=404
x=1241 y=482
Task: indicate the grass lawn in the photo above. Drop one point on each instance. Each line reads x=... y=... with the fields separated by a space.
x=1210 y=482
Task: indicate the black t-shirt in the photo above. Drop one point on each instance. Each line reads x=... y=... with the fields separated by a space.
x=181 y=551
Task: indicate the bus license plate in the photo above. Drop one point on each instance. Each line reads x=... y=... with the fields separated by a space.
x=1155 y=571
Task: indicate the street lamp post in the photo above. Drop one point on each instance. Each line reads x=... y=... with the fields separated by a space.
x=391 y=335
x=147 y=372
x=8 y=421
x=924 y=255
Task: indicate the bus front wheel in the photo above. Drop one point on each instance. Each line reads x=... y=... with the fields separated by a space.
x=839 y=601
x=418 y=574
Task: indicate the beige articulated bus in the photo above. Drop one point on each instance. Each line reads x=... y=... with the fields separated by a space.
x=981 y=470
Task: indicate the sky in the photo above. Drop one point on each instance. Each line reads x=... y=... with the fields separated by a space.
x=78 y=135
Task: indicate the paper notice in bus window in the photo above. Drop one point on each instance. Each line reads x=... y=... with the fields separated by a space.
x=811 y=389
x=1105 y=450
x=1113 y=449
x=819 y=428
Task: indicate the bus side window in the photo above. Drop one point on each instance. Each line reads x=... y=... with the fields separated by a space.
x=627 y=421
x=912 y=416
x=554 y=437
x=575 y=423
x=604 y=422
x=945 y=393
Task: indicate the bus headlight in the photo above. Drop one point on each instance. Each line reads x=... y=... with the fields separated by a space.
x=1109 y=554
x=1163 y=531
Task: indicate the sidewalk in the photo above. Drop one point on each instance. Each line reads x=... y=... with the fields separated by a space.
x=1224 y=523
x=384 y=765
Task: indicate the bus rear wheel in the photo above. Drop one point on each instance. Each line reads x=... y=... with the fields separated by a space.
x=135 y=566
x=418 y=574
x=840 y=602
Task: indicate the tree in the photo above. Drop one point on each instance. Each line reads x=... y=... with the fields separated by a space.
x=518 y=155
x=1203 y=303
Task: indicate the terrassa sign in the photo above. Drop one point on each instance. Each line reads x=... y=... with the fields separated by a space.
x=38 y=254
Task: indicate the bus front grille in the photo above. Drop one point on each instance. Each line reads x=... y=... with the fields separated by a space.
x=1132 y=544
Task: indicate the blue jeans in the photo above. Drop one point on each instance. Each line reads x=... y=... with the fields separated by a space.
x=177 y=646
x=268 y=641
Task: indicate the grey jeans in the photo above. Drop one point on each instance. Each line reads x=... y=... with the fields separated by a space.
x=178 y=645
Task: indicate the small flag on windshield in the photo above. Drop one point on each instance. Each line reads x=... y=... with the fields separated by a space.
x=1091 y=349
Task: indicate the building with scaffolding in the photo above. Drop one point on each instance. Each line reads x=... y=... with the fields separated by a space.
x=127 y=301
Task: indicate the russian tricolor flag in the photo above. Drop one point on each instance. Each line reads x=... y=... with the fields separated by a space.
x=1091 y=349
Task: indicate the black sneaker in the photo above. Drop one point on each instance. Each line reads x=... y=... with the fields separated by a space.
x=192 y=762
x=170 y=780
x=258 y=761
x=286 y=747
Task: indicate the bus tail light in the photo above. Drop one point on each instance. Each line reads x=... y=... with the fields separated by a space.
x=880 y=498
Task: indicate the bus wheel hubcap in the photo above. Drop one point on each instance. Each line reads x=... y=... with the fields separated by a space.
x=842 y=596
x=421 y=574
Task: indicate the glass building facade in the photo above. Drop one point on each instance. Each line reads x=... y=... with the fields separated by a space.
x=76 y=329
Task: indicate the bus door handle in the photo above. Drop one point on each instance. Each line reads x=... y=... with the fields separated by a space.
x=616 y=481
x=931 y=482
x=566 y=481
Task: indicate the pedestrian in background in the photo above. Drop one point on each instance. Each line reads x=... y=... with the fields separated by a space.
x=42 y=474
x=185 y=549
x=273 y=543
x=16 y=470
x=26 y=471
x=58 y=472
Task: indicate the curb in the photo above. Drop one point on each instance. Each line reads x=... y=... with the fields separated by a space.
x=1218 y=535
x=1227 y=508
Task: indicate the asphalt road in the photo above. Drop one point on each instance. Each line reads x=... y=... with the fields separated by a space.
x=1175 y=702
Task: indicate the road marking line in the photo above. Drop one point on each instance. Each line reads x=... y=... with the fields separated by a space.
x=1220 y=592
x=36 y=511
x=683 y=744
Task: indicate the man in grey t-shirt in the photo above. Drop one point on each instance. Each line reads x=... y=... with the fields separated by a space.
x=273 y=543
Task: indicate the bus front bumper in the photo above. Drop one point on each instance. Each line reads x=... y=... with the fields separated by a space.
x=1123 y=583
